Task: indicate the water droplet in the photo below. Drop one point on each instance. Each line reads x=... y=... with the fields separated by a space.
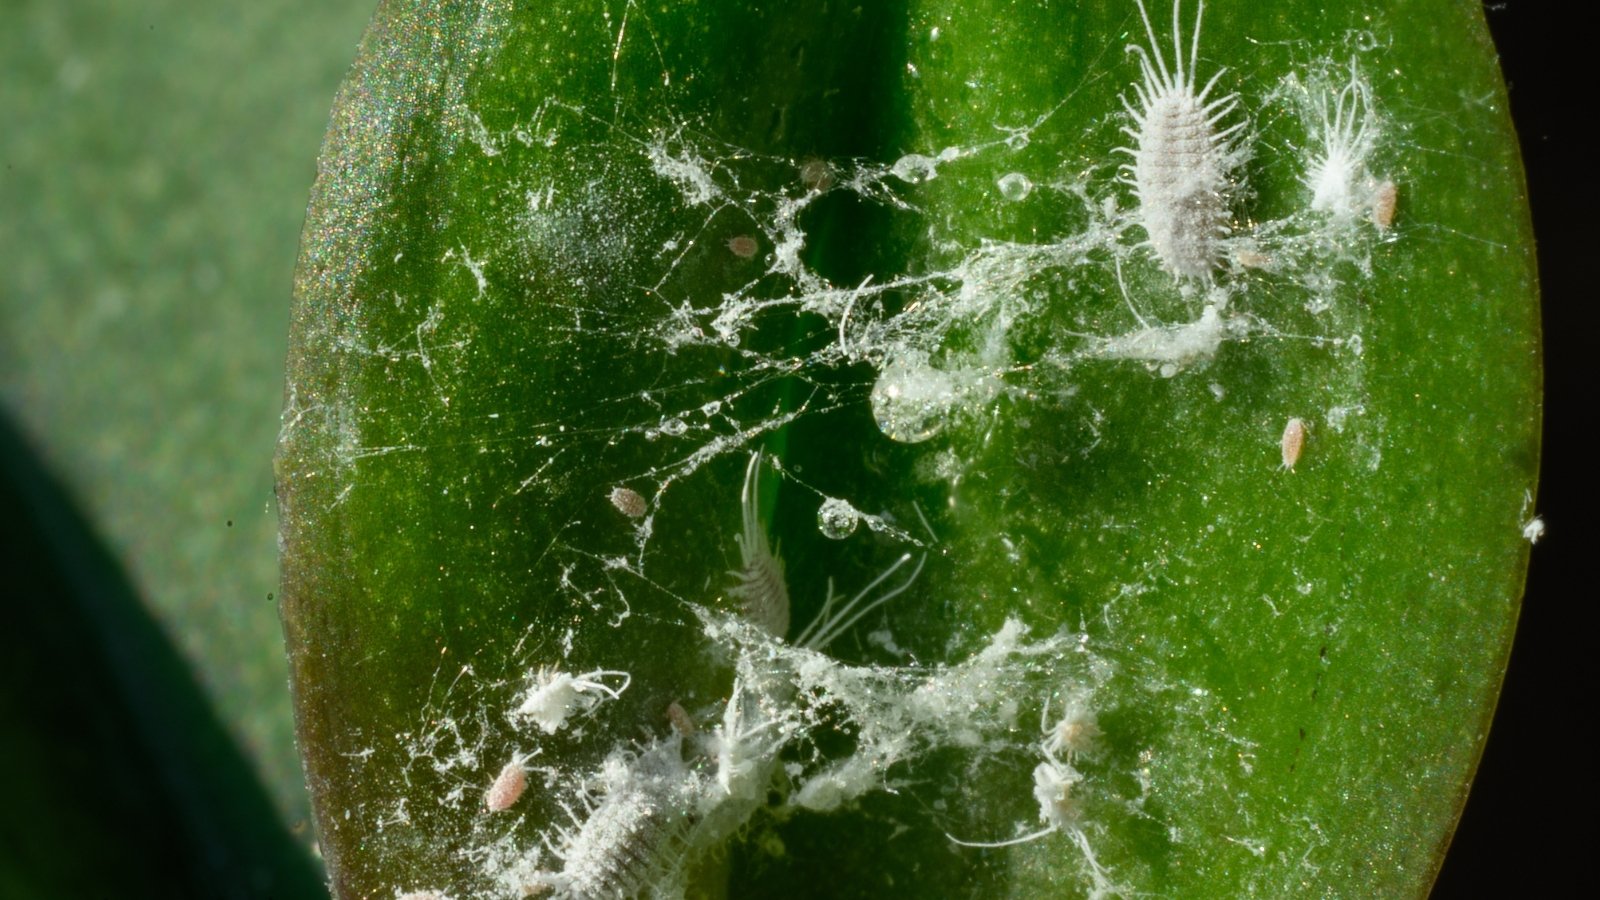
x=837 y=519
x=1015 y=186
x=914 y=168
x=912 y=401
x=906 y=402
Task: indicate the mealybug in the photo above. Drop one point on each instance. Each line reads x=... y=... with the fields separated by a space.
x=1533 y=530
x=816 y=175
x=1182 y=163
x=1076 y=732
x=743 y=246
x=555 y=695
x=762 y=593
x=1293 y=441
x=507 y=787
x=1384 y=198
x=628 y=502
x=682 y=722
x=634 y=836
x=1337 y=176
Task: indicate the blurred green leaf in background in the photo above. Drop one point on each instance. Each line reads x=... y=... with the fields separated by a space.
x=156 y=160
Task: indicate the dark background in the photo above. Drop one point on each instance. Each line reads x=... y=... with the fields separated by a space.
x=1517 y=829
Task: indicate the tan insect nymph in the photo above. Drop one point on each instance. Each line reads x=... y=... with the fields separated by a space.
x=1293 y=441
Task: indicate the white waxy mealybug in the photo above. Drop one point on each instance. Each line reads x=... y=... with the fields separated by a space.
x=554 y=696
x=1337 y=174
x=1053 y=781
x=1293 y=441
x=507 y=788
x=628 y=502
x=762 y=593
x=634 y=835
x=1182 y=162
x=1075 y=733
x=1533 y=530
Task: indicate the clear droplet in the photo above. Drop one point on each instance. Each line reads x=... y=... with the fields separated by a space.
x=910 y=400
x=1015 y=186
x=913 y=401
x=837 y=519
x=915 y=168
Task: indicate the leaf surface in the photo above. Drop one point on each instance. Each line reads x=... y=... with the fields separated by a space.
x=555 y=254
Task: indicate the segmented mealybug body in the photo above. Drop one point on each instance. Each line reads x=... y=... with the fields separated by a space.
x=635 y=835
x=620 y=849
x=628 y=501
x=760 y=588
x=1182 y=162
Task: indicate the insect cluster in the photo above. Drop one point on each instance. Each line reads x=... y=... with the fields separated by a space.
x=653 y=807
x=1186 y=156
x=658 y=803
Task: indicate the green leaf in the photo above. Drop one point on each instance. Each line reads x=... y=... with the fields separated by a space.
x=566 y=271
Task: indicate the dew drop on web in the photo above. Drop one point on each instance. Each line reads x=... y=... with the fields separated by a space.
x=837 y=519
x=910 y=401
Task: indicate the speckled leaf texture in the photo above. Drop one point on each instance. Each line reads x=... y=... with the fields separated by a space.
x=622 y=328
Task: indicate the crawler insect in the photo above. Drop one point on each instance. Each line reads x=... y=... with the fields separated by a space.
x=1182 y=163
x=743 y=246
x=555 y=696
x=628 y=502
x=682 y=722
x=1384 y=199
x=1293 y=441
x=816 y=175
x=507 y=787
